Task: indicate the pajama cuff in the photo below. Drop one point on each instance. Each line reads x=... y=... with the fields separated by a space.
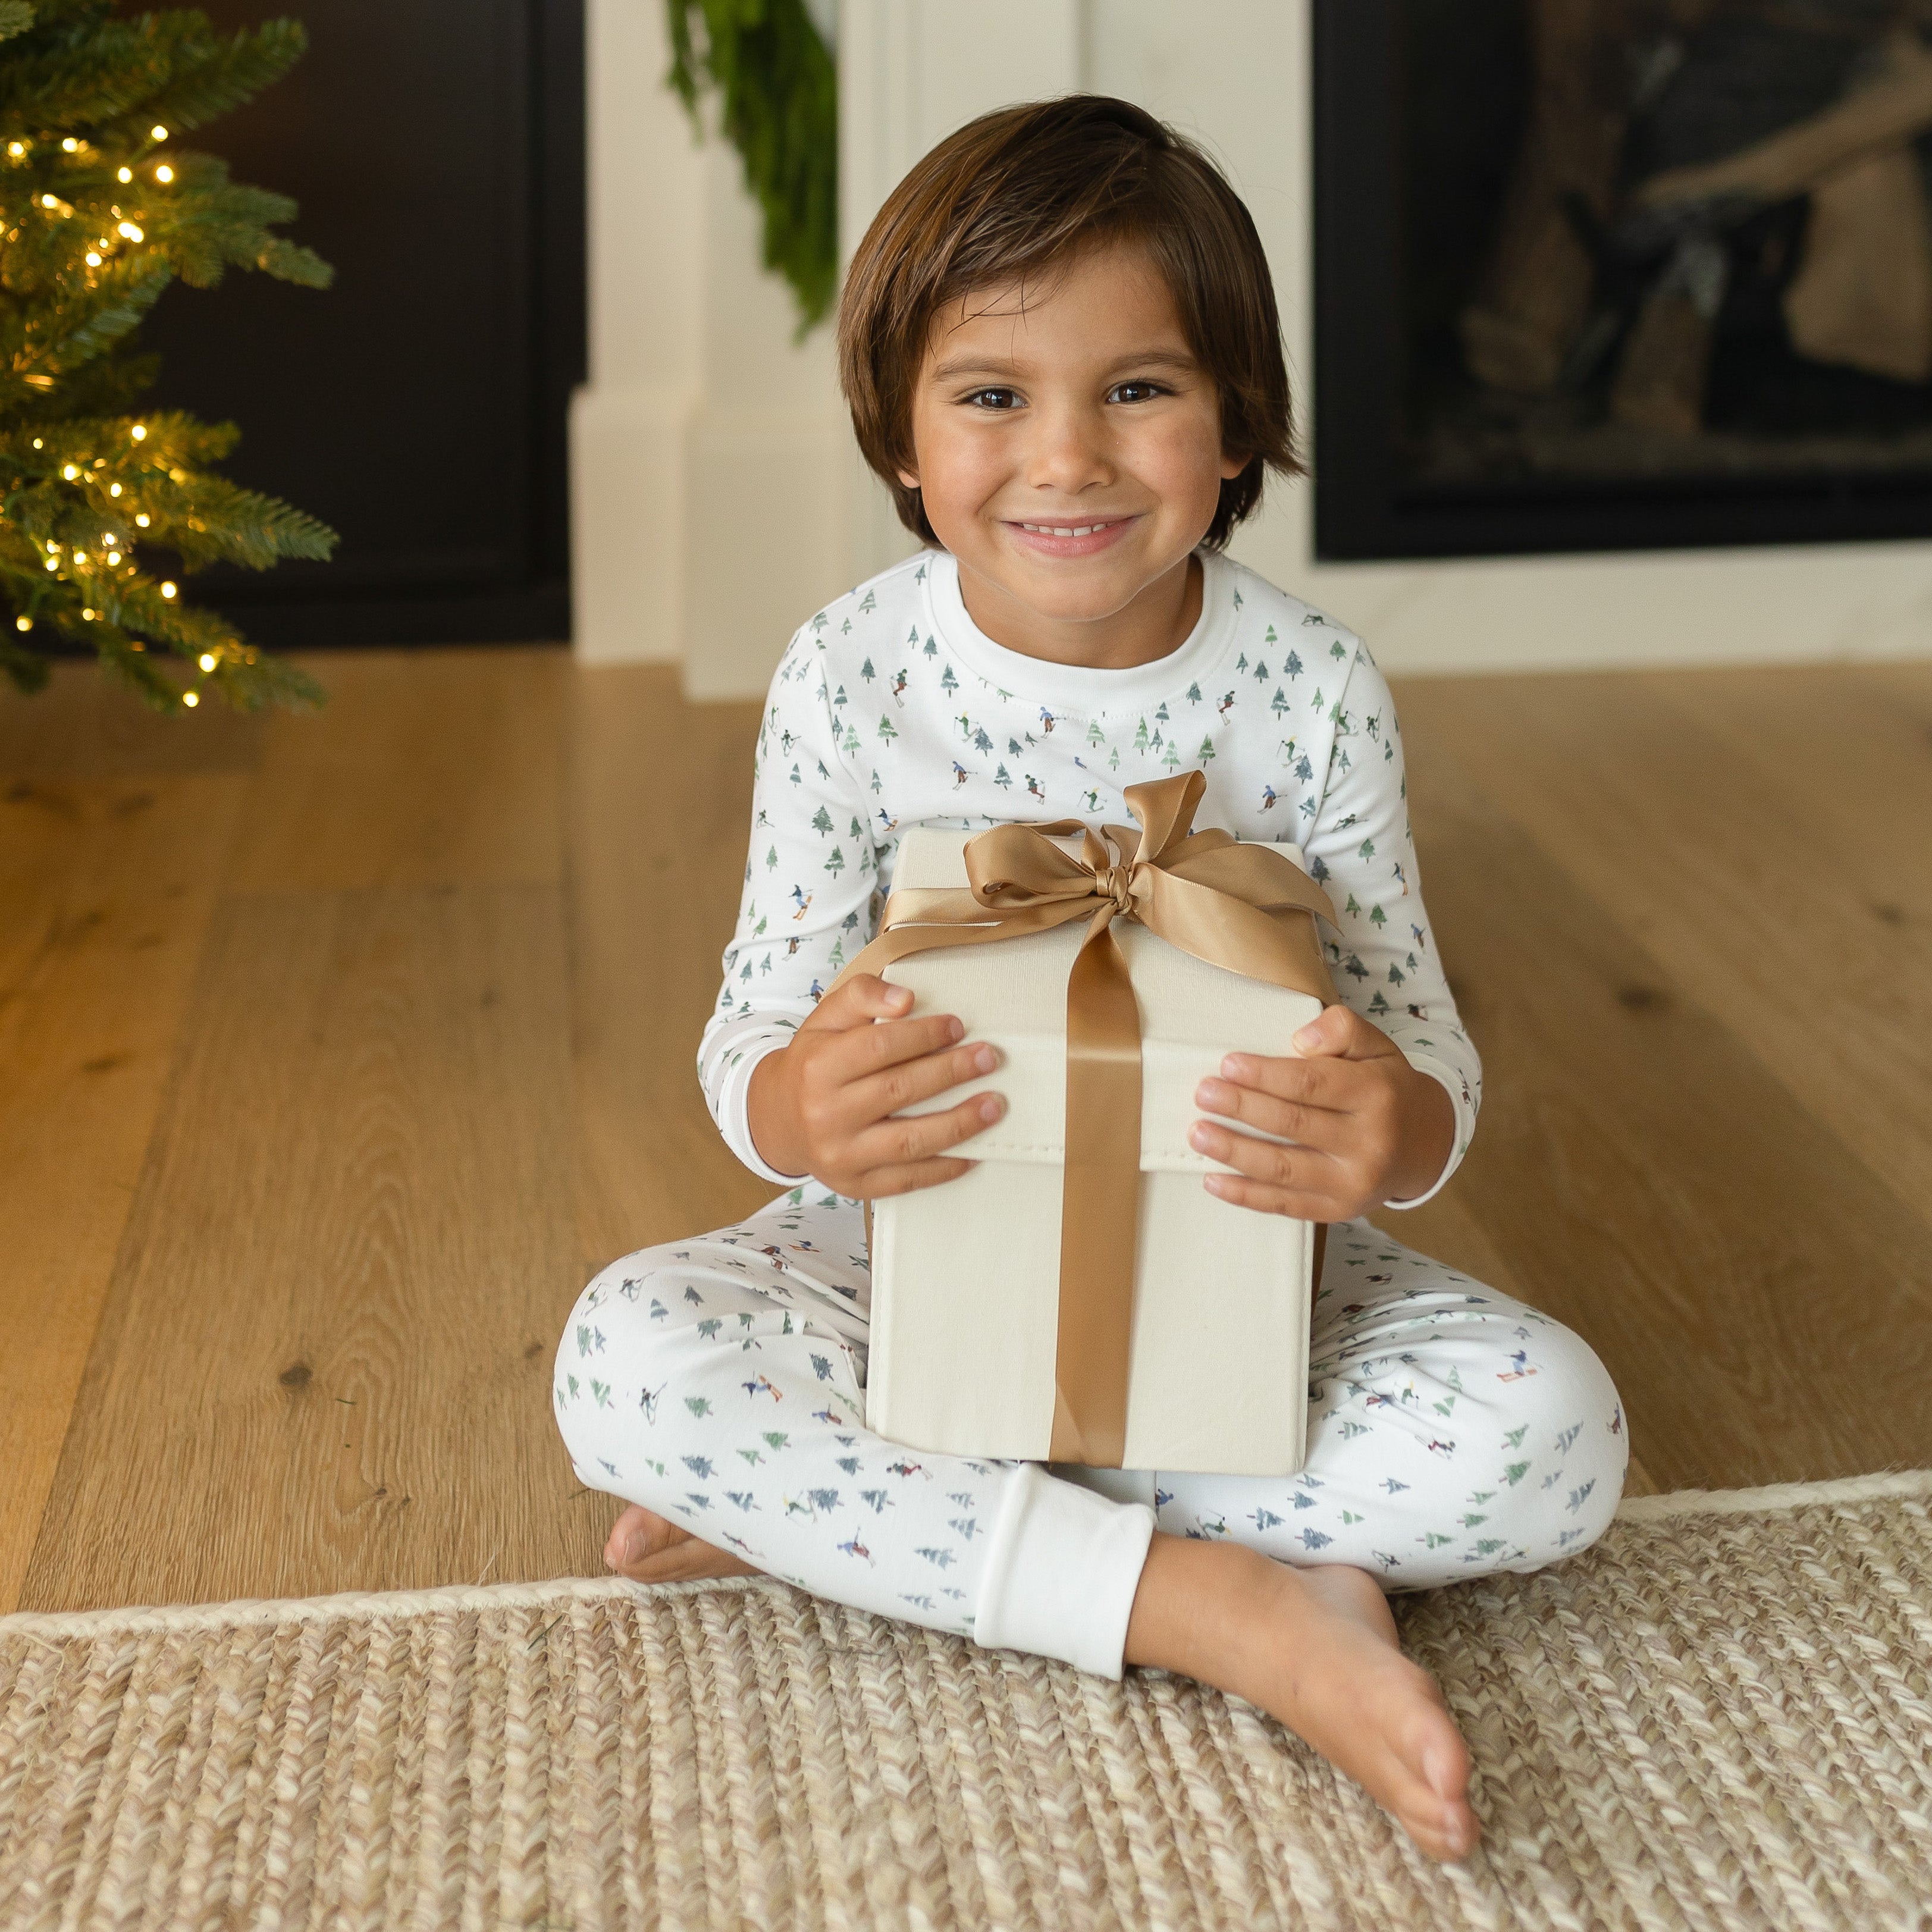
x=1061 y=1571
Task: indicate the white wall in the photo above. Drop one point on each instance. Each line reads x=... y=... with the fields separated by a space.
x=708 y=450
x=719 y=500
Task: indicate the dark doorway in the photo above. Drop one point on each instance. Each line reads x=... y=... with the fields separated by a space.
x=1611 y=274
x=419 y=405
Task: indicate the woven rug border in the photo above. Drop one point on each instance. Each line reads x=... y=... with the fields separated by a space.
x=67 y=1626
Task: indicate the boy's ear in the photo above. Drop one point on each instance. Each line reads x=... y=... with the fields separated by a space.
x=909 y=478
x=1231 y=465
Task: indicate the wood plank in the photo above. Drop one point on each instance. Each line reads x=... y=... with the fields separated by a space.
x=1773 y=908
x=84 y=725
x=1760 y=1296
x=659 y=817
x=325 y=1361
x=107 y=887
x=425 y=768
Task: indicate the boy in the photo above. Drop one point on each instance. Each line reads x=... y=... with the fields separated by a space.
x=1060 y=345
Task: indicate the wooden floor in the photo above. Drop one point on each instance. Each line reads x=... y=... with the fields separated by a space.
x=335 y=1053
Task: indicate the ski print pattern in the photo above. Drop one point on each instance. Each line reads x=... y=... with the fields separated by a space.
x=891 y=709
x=1453 y=1431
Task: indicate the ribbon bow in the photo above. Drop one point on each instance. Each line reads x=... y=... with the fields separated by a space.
x=1241 y=906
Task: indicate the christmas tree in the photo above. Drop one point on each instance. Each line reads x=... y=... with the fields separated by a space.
x=99 y=210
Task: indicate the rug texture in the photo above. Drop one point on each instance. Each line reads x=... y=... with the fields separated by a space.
x=1718 y=1718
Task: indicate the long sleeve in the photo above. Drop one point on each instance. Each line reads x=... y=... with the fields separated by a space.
x=1360 y=848
x=807 y=904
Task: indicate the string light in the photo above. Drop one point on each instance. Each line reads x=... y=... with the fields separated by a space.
x=89 y=615
x=69 y=472
x=125 y=175
x=70 y=144
x=169 y=589
x=80 y=556
x=160 y=132
x=23 y=623
x=113 y=489
x=113 y=556
x=190 y=699
x=138 y=431
x=16 y=149
x=142 y=519
x=53 y=563
x=50 y=201
x=133 y=233
x=93 y=259
x=208 y=660
x=38 y=444
x=164 y=173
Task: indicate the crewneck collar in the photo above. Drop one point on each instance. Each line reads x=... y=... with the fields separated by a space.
x=1080 y=689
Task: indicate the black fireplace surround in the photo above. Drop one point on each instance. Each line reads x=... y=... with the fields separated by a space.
x=1672 y=403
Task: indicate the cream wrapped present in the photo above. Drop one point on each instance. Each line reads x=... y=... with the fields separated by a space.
x=1079 y=1296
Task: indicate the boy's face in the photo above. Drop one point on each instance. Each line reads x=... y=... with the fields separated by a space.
x=1084 y=412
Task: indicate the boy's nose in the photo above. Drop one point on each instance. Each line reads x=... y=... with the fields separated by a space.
x=1068 y=454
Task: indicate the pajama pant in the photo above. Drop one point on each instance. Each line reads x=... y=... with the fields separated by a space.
x=720 y=1381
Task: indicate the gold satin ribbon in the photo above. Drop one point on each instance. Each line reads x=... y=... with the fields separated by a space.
x=1241 y=906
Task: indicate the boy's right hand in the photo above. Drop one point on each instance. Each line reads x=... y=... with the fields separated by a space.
x=824 y=1105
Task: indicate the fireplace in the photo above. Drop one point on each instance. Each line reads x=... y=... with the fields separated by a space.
x=1616 y=275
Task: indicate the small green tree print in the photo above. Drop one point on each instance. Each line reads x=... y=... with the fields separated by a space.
x=821 y=822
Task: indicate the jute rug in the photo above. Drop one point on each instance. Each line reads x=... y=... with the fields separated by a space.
x=1718 y=1718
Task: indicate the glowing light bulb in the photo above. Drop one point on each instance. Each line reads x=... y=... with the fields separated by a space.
x=113 y=556
x=50 y=201
x=124 y=174
x=69 y=472
x=169 y=589
x=16 y=149
x=138 y=431
x=160 y=132
x=207 y=660
x=38 y=444
x=53 y=563
x=93 y=259
x=89 y=615
x=164 y=173
x=113 y=489
x=133 y=233
x=142 y=519
x=190 y=699
x=80 y=556
x=23 y=623
x=70 y=144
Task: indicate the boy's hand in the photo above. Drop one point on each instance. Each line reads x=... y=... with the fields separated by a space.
x=822 y=1105
x=1369 y=1127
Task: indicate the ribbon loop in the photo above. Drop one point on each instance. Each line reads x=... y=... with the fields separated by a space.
x=1243 y=907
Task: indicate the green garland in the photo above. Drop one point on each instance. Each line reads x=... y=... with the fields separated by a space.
x=781 y=112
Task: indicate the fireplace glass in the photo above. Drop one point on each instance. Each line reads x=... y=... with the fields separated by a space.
x=1612 y=274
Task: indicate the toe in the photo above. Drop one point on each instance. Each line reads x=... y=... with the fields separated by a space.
x=637 y=1535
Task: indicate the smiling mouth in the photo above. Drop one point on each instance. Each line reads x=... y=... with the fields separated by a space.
x=1071 y=529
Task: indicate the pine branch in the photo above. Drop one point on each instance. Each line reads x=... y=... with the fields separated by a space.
x=97 y=217
x=780 y=112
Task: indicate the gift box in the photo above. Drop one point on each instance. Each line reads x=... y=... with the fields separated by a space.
x=1079 y=1296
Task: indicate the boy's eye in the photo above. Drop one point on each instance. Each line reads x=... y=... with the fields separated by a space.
x=1134 y=392
x=993 y=399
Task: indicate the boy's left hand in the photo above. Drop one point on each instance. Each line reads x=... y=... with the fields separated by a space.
x=1368 y=1127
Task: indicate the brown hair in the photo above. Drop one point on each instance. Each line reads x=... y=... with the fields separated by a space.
x=1020 y=193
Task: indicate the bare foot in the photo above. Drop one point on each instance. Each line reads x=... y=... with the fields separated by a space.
x=648 y=1549
x=1317 y=1648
